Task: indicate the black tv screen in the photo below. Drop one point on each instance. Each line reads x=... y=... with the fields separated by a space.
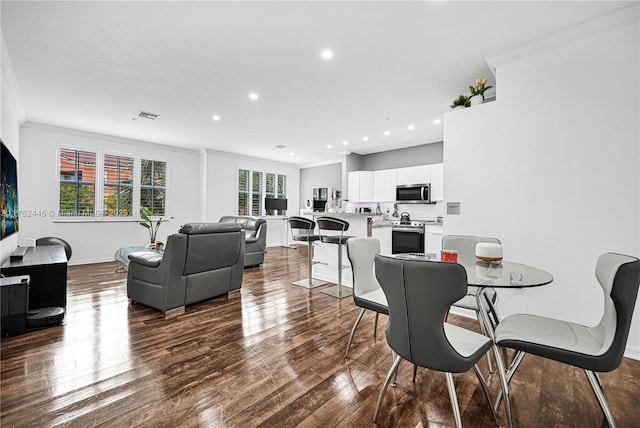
x=279 y=204
x=9 y=192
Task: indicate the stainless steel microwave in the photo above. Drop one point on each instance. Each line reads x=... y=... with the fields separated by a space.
x=413 y=193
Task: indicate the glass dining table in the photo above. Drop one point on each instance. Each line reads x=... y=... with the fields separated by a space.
x=501 y=274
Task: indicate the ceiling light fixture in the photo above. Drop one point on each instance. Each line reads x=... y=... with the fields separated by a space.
x=291 y=153
x=327 y=54
x=215 y=117
x=345 y=142
x=365 y=138
x=329 y=146
x=411 y=127
x=253 y=96
x=387 y=133
x=437 y=122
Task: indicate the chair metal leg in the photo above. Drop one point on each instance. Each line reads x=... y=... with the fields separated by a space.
x=353 y=330
x=483 y=329
x=375 y=325
x=309 y=282
x=415 y=372
x=504 y=386
x=392 y=371
x=485 y=388
x=338 y=291
x=595 y=385
x=517 y=359
x=454 y=400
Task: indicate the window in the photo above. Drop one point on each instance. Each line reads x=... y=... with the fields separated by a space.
x=118 y=186
x=256 y=193
x=77 y=183
x=254 y=187
x=243 y=192
x=153 y=185
x=94 y=185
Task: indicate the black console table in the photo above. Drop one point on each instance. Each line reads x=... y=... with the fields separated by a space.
x=47 y=267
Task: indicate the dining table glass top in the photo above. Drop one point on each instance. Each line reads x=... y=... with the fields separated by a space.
x=502 y=274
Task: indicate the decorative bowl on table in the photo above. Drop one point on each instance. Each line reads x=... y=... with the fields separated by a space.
x=489 y=251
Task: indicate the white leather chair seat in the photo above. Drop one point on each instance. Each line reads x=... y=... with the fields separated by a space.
x=551 y=333
x=466 y=342
x=375 y=296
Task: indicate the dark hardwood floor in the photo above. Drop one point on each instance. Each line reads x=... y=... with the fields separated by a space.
x=270 y=355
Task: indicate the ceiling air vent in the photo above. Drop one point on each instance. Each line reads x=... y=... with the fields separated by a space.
x=147 y=115
x=280 y=146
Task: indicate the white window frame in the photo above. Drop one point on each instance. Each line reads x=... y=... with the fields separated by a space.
x=99 y=186
x=263 y=211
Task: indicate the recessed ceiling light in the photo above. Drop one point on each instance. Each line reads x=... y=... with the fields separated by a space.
x=365 y=138
x=329 y=146
x=411 y=127
x=327 y=54
x=345 y=142
x=436 y=122
x=291 y=154
x=387 y=133
x=253 y=96
x=215 y=117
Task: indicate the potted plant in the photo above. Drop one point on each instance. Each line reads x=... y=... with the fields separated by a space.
x=145 y=215
x=477 y=90
x=461 y=102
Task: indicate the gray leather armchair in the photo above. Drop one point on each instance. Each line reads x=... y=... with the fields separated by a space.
x=201 y=261
x=255 y=230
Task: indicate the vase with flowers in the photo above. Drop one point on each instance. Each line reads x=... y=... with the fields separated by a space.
x=477 y=90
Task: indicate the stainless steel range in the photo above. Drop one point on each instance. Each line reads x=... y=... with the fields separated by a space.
x=407 y=237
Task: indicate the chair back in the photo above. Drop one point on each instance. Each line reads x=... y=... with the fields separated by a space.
x=619 y=277
x=419 y=295
x=301 y=227
x=210 y=246
x=332 y=223
x=51 y=240
x=465 y=245
x=361 y=253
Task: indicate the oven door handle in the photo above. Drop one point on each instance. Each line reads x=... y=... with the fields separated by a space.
x=407 y=229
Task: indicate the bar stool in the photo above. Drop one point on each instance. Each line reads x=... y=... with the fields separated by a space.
x=335 y=225
x=302 y=230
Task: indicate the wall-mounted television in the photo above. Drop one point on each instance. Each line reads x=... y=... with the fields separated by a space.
x=271 y=204
x=9 y=192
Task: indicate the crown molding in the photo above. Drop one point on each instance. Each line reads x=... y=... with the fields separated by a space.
x=619 y=18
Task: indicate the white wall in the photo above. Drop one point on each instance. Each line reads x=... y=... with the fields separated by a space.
x=98 y=241
x=552 y=169
x=11 y=117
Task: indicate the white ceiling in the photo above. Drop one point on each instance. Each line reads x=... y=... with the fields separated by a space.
x=93 y=65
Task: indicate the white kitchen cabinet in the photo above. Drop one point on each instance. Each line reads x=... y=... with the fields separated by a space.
x=384 y=185
x=414 y=175
x=361 y=186
x=437 y=182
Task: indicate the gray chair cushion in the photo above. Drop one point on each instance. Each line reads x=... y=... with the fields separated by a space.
x=146 y=258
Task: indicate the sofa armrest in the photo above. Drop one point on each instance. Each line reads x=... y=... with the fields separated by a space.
x=146 y=258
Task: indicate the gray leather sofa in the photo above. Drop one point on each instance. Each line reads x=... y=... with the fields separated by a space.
x=256 y=237
x=201 y=261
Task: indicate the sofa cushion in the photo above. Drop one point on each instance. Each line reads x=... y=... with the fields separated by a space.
x=146 y=258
